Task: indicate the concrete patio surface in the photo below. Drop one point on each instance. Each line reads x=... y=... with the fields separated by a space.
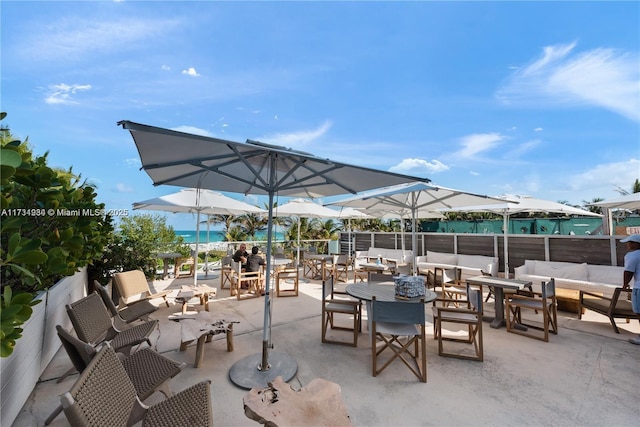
x=587 y=375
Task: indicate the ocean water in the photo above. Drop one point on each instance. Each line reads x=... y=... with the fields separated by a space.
x=189 y=236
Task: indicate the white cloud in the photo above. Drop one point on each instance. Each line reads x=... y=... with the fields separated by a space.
x=165 y=68
x=192 y=129
x=418 y=166
x=191 y=72
x=70 y=39
x=62 y=93
x=133 y=162
x=477 y=143
x=298 y=139
x=606 y=78
x=538 y=130
x=123 y=188
x=602 y=178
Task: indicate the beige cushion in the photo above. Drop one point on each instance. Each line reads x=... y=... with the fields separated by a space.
x=562 y=270
x=606 y=274
x=442 y=258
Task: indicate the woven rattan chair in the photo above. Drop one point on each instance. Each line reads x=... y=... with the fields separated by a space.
x=331 y=307
x=468 y=313
x=104 y=395
x=137 y=311
x=148 y=371
x=132 y=286
x=93 y=325
x=400 y=328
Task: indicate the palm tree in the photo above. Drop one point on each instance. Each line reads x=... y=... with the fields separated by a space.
x=227 y=220
x=251 y=223
x=595 y=209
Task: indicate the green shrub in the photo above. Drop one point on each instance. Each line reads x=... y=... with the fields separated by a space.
x=51 y=227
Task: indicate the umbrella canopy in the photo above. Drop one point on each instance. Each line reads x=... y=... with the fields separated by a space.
x=627 y=202
x=192 y=200
x=411 y=200
x=512 y=204
x=194 y=161
x=303 y=208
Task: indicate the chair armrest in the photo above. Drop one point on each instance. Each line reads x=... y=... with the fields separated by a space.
x=593 y=295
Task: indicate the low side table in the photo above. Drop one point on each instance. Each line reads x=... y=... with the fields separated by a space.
x=204 y=292
x=202 y=327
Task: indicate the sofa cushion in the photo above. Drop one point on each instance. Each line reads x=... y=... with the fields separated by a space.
x=566 y=270
x=442 y=258
x=605 y=274
x=484 y=263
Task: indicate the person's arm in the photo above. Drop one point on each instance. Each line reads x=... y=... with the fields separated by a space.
x=628 y=275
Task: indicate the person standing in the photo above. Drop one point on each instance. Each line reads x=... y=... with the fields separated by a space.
x=632 y=271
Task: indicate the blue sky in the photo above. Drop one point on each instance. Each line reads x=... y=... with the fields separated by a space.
x=531 y=98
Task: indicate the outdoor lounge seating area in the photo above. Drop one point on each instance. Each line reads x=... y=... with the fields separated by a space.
x=555 y=380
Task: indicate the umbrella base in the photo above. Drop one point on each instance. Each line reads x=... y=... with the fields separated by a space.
x=245 y=373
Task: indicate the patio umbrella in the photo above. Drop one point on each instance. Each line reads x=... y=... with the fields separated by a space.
x=194 y=161
x=626 y=202
x=414 y=200
x=303 y=208
x=512 y=204
x=198 y=201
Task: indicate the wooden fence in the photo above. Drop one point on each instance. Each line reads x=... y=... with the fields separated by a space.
x=599 y=250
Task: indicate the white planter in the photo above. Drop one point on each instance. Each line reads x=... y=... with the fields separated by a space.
x=20 y=372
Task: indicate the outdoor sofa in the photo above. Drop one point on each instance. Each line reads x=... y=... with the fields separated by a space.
x=469 y=265
x=571 y=278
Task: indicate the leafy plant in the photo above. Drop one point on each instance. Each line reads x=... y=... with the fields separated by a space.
x=51 y=227
x=133 y=246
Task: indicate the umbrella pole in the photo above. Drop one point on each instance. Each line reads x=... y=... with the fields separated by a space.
x=258 y=370
x=195 y=261
x=505 y=225
x=206 y=254
x=298 y=254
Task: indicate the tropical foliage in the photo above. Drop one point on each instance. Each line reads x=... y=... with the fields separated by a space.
x=51 y=227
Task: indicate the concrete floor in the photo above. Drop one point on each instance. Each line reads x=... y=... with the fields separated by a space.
x=585 y=375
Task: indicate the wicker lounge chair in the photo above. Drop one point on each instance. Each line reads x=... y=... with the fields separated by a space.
x=93 y=325
x=149 y=371
x=132 y=286
x=104 y=395
x=137 y=311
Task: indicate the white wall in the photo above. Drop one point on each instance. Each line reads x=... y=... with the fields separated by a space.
x=20 y=372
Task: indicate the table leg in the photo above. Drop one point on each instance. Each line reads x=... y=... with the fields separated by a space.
x=498 y=320
x=230 y=337
x=200 y=350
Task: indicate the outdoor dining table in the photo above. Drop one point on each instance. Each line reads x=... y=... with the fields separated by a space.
x=166 y=257
x=499 y=284
x=383 y=291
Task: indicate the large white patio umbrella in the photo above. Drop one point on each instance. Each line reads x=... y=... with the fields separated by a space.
x=198 y=201
x=411 y=200
x=303 y=208
x=195 y=161
x=512 y=204
x=626 y=202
